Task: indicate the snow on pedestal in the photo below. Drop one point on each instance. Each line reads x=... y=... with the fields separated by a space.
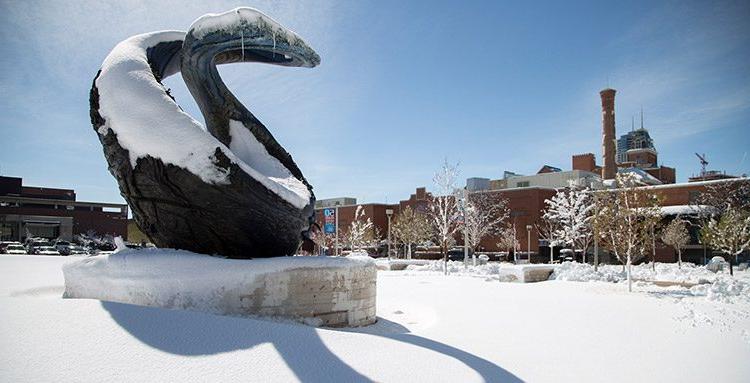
x=329 y=291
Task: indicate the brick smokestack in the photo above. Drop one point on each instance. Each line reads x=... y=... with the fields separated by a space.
x=608 y=133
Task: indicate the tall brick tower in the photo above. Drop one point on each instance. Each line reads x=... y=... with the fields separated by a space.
x=608 y=133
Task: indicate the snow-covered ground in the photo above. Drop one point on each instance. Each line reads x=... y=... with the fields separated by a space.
x=436 y=328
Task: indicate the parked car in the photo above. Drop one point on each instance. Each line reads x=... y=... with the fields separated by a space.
x=4 y=245
x=567 y=255
x=46 y=250
x=717 y=264
x=15 y=249
x=63 y=247
x=33 y=246
x=76 y=250
x=457 y=254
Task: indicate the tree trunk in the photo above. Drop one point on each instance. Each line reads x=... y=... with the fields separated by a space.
x=653 y=250
x=551 y=254
x=408 y=251
x=679 y=258
x=445 y=260
x=630 y=280
x=596 y=256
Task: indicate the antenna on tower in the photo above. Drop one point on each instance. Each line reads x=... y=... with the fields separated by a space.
x=641 y=117
x=702 y=158
x=632 y=123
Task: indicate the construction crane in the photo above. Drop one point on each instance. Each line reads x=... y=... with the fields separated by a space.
x=703 y=163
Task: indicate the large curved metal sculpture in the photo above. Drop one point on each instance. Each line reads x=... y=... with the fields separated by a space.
x=227 y=189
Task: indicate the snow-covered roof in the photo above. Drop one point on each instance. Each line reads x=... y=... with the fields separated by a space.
x=683 y=209
x=700 y=183
x=641 y=175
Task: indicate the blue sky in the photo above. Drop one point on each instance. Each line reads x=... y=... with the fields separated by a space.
x=495 y=86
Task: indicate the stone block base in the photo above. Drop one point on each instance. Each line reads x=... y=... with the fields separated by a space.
x=328 y=291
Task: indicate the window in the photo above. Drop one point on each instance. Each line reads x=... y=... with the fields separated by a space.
x=522 y=184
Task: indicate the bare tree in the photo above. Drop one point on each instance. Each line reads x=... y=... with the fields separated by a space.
x=729 y=234
x=622 y=220
x=675 y=234
x=443 y=208
x=410 y=227
x=484 y=214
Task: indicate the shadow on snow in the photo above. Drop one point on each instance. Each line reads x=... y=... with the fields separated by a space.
x=191 y=333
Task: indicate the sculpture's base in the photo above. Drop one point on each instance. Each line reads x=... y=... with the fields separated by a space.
x=328 y=291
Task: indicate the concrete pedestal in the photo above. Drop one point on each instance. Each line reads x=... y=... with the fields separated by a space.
x=328 y=291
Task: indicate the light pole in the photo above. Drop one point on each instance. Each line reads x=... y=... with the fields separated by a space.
x=389 y=213
x=528 y=242
x=595 y=230
x=516 y=245
x=336 y=243
x=466 y=235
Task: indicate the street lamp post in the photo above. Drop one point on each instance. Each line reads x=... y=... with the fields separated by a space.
x=389 y=213
x=528 y=242
x=466 y=235
x=516 y=245
x=336 y=242
x=596 y=234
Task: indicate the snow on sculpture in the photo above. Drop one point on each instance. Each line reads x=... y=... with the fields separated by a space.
x=229 y=188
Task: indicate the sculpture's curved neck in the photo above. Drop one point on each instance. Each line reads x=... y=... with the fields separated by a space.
x=216 y=102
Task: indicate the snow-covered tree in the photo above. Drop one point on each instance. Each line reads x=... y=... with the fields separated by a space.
x=410 y=227
x=653 y=221
x=484 y=214
x=721 y=196
x=361 y=231
x=675 y=234
x=547 y=229
x=623 y=220
x=443 y=208
x=572 y=211
x=729 y=234
x=507 y=239
x=322 y=240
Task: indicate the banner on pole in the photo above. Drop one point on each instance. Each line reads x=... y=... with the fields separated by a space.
x=329 y=221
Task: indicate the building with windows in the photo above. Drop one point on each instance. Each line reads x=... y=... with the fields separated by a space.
x=333 y=202
x=30 y=211
x=632 y=140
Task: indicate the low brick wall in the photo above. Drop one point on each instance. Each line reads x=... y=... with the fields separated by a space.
x=328 y=291
x=336 y=297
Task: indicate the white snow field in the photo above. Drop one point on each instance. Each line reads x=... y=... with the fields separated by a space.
x=431 y=328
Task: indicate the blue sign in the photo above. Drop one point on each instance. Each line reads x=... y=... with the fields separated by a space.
x=329 y=221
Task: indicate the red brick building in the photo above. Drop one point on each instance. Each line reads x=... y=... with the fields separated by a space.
x=54 y=213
